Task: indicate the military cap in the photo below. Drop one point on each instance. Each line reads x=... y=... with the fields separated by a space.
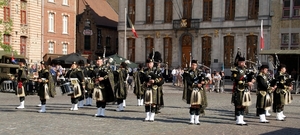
x=42 y=62
x=194 y=61
x=281 y=66
x=149 y=60
x=22 y=60
x=264 y=66
x=241 y=59
x=75 y=62
x=98 y=58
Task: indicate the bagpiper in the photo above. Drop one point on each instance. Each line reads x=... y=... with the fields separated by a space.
x=242 y=79
x=104 y=87
x=264 y=91
x=120 y=77
x=90 y=75
x=46 y=87
x=22 y=79
x=194 y=92
x=137 y=90
x=282 y=94
x=152 y=80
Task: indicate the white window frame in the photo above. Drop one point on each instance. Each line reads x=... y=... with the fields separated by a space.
x=64 y=48
x=51 y=22
x=51 y=47
x=51 y=1
x=65 y=2
x=65 y=24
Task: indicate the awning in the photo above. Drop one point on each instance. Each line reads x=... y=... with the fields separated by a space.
x=278 y=51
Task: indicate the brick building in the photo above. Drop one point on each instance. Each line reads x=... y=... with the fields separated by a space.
x=96 y=27
x=25 y=35
x=59 y=17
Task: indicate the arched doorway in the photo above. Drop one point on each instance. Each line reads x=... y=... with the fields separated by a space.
x=186 y=50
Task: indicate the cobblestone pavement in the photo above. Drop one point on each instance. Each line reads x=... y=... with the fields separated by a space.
x=174 y=118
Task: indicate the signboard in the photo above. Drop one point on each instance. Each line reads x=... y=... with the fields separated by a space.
x=87 y=32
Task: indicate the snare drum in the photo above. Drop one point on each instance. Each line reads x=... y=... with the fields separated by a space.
x=66 y=88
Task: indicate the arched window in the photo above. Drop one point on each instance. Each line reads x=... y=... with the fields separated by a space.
x=251 y=47
x=228 y=51
x=149 y=46
x=206 y=50
x=131 y=49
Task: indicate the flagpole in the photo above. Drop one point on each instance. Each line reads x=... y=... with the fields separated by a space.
x=125 y=37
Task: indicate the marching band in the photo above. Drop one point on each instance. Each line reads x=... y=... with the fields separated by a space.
x=103 y=84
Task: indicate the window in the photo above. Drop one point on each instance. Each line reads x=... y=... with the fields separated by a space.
x=206 y=50
x=207 y=10
x=295 y=39
x=87 y=42
x=251 y=47
x=99 y=39
x=65 y=48
x=284 y=41
x=65 y=24
x=187 y=11
x=50 y=0
x=6 y=10
x=149 y=46
x=229 y=9
x=51 y=47
x=168 y=11
x=168 y=50
x=23 y=46
x=131 y=10
x=6 y=39
x=296 y=8
x=108 y=42
x=286 y=8
x=228 y=51
x=131 y=49
x=253 y=9
x=51 y=22
x=65 y=2
x=23 y=11
x=149 y=11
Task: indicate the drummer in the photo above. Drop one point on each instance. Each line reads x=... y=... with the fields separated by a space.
x=75 y=74
x=46 y=87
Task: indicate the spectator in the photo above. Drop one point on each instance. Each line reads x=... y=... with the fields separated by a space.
x=174 y=74
x=222 y=82
x=217 y=79
x=179 y=77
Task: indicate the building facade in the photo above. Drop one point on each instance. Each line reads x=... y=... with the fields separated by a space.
x=25 y=34
x=210 y=31
x=285 y=33
x=59 y=28
x=96 y=28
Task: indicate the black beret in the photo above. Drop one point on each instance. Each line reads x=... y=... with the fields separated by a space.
x=42 y=62
x=75 y=62
x=241 y=59
x=22 y=60
x=264 y=66
x=194 y=61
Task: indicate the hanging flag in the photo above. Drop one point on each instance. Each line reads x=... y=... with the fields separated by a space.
x=12 y=58
x=262 y=45
x=130 y=25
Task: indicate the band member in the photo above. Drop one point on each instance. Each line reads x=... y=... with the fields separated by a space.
x=282 y=95
x=46 y=87
x=75 y=76
x=194 y=92
x=241 y=95
x=151 y=83
x=22 y=79
x=104 y=87
x=89 y=77
x=120 y=77
x=138 y=91
x=264 y=91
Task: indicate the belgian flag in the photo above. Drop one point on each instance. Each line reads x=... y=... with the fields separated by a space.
x=130 y=25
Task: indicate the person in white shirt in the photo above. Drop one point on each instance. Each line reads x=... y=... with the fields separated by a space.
x=174 y=74
x=217 y=79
